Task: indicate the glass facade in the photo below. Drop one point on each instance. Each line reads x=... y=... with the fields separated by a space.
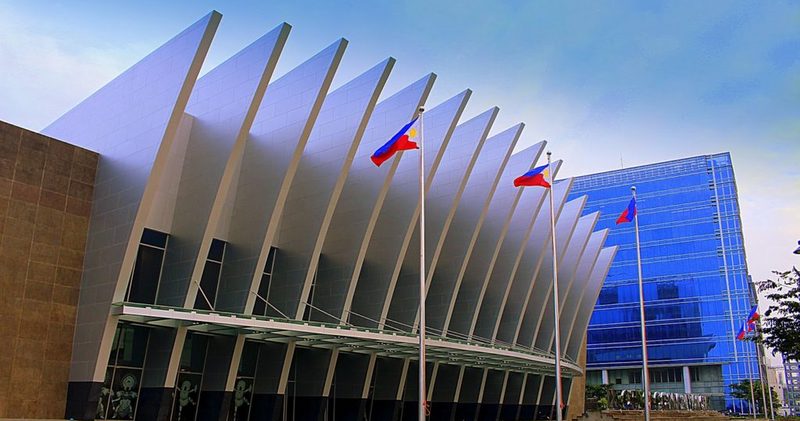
x=120 y=391
x=190 y=377
x=696 y=286
x=209 y=282
x=146 y=276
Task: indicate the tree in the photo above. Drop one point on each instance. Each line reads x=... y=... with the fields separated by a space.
x=597 y=395
x=780 y=326
x=741 y=390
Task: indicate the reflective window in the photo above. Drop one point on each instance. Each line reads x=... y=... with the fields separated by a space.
x=143 y=286
x=190 y=377
x=120 y=391
x=696 y=287
x=309 y=309
x=261 y=306
x=666 y=375
x=245 y=380
x=206 y=297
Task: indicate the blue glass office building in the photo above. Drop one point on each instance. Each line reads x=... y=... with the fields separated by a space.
x=696 y=286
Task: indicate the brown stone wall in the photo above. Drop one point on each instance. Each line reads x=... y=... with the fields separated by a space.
x=45 y=196
x=577 y=395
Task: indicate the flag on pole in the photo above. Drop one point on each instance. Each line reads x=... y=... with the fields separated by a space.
x=399 y=142
x=535 y=177
x=742 y=333
x=628 y=213
x=753 y=315
x=747 y=327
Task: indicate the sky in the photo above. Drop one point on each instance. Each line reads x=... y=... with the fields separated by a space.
x=607 y=83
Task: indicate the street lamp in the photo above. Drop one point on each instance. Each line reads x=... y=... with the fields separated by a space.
x=797 y=250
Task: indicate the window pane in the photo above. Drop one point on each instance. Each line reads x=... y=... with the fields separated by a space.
x=242 y=395
x=270 y=260
x=154 y=238
x=132 y=345
x=247 y=366
x=208 y=282
x=124 y=393
x=193 y=356
x=186 y=393
x=260 y=307
x=217 y=250
x=104 y=402
x=146 y=273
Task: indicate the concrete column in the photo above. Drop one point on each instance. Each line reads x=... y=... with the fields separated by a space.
x=687 y=380
x=605 y=376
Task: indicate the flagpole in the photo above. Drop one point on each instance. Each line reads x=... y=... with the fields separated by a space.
x=750 y=375
x=764 y=380
x=422 y=384
x=769 y=393
x=645 y=369
x=559 y=398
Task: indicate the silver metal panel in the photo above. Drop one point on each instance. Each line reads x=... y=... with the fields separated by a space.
x=223 y=104
x=518 y=295
x=268 y=164
x=469 y=216
x=582 y=277
x=518 y=164
x=222 y=107
x=140 y=110
x=565 y=230
x=472 y=209
x=361 y=200
x=316 y=188
x=401 y=205
x=397 y=218
x=504 y=269
x=479 y=261
x=315 y=193
x=590 y=294
x=441 y=201
x=594 y=271
x=570 y=262
x=586 y=225
x=541 y=284
x=521 y=300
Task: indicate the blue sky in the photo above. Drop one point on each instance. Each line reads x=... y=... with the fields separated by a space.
x=607 y=83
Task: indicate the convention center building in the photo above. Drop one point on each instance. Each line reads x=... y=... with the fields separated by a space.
x=187 y=247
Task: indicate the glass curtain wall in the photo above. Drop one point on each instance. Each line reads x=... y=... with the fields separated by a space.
x=190 y=377
x=696 y=288
x=120 y=392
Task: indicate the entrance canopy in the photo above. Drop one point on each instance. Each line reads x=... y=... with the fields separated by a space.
x=347 y=338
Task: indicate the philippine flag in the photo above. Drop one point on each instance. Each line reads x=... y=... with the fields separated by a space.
x=628 y=213
x=399 y=142
x=753 y=315
x=740 y=336
x=534 y=177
